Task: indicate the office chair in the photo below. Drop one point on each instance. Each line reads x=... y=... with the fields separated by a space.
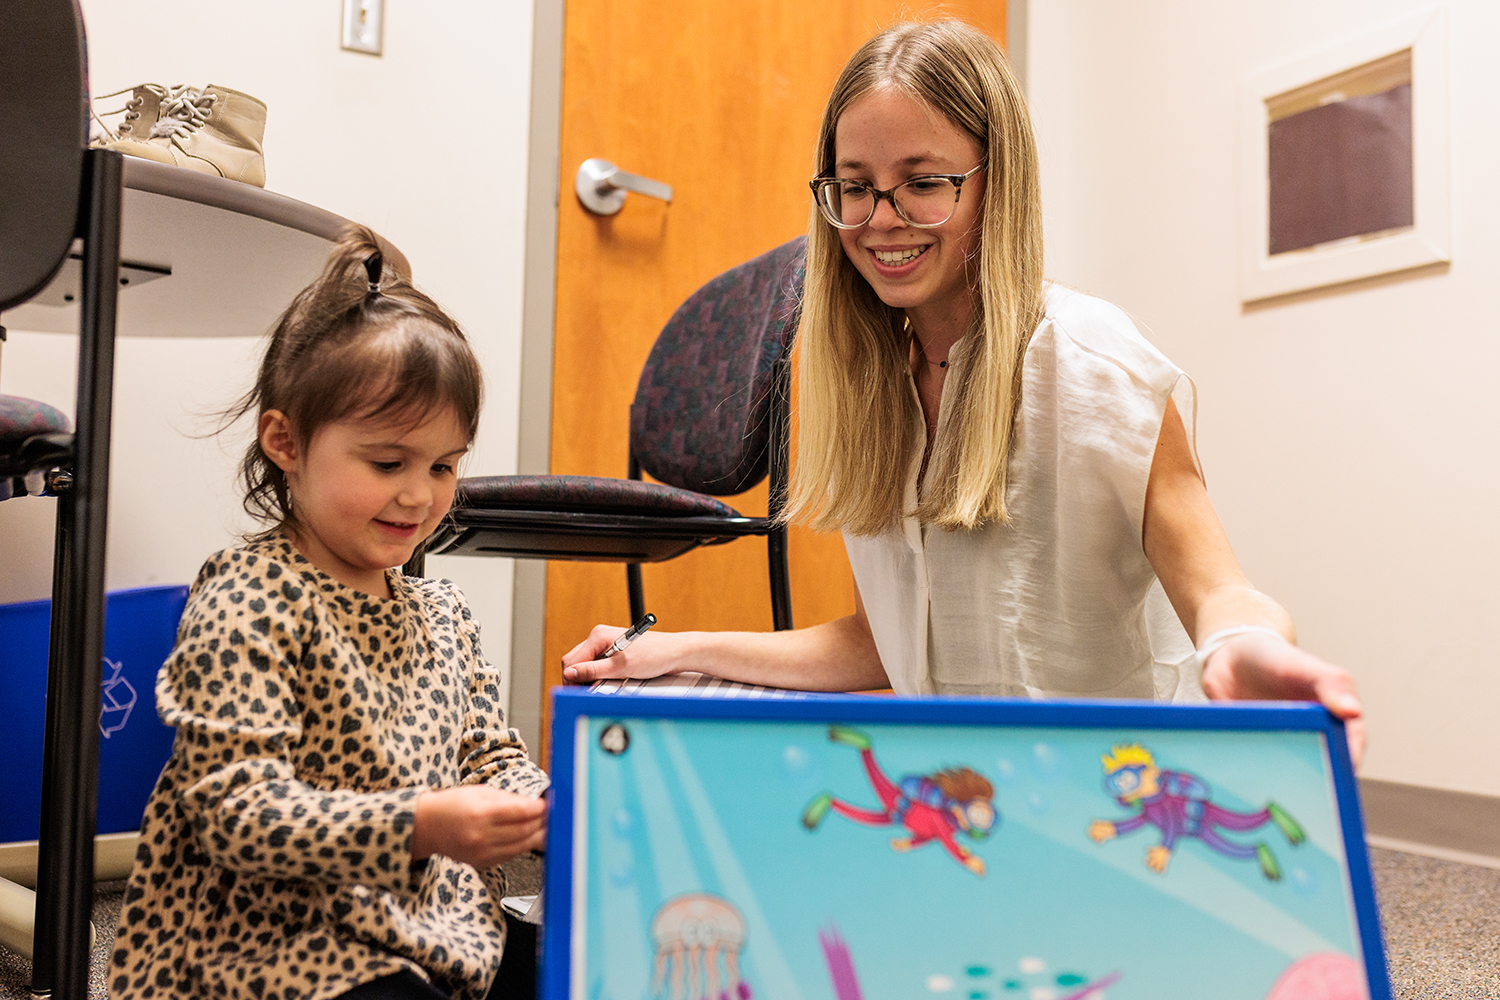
x=709 y=419
x=52 y=191
x=35 y=439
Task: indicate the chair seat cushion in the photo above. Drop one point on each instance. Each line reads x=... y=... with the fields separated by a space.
x=26 y=418
x=586 y=494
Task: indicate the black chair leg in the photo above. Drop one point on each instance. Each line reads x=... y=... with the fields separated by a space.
x=49 y=862
x=637 y=591
x=781 y=581
x=65 y=865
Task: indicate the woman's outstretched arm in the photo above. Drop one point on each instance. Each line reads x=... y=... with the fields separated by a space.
x=1191 y=555
x=836 y=656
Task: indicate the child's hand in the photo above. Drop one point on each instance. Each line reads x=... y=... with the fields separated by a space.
x=478 y=825
x=1101 y=830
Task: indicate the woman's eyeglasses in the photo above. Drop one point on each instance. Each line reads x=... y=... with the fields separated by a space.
x=924 y=201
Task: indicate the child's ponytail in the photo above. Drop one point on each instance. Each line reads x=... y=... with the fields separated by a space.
x=360 y=341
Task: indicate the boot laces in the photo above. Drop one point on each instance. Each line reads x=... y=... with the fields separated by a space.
x=184 y=110
x=131 y=111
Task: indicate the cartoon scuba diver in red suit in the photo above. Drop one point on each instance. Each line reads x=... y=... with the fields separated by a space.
x=936 y=806
x=1177 y=804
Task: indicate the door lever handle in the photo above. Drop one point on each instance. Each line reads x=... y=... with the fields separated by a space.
x=601 y=187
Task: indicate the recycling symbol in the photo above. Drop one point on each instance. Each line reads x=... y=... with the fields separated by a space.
x=116 y=699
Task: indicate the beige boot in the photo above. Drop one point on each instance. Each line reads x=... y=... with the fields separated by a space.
x=214 y=131
x=128 y=133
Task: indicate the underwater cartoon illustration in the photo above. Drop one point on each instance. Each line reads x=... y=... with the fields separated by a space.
x=1178 y=804
x=1321 y=976
x=840 y=964
x=692 y=932
x=1035 y=980
x=710 y=861
x=936 y=806
x=1093 y=990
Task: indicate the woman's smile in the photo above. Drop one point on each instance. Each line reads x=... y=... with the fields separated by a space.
x=893 y=260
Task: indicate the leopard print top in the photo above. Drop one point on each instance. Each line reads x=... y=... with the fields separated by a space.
x=275 y=853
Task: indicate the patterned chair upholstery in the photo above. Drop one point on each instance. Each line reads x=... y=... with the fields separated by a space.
x=34 y=438
x=709 y=420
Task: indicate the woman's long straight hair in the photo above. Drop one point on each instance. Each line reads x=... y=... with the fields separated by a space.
x=858 y=420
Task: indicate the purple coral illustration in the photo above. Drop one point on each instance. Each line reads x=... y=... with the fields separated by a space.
x=840 y=965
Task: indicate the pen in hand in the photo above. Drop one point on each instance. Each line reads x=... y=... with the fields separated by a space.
x=629 y=635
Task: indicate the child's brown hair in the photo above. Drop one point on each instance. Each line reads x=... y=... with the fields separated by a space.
x=963 y=784
x=360 y=341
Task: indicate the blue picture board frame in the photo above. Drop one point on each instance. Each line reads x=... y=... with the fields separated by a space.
x=831 y=847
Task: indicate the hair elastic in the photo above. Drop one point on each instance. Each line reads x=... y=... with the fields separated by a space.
x=372 y=268
x=1217 y=641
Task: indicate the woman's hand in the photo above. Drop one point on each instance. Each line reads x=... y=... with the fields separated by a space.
x=1191 y=555
x=835 y=656
x=647 y=656
x=1258 y=666
x=478 y=825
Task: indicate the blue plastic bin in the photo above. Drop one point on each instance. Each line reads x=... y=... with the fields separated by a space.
x=140 y=628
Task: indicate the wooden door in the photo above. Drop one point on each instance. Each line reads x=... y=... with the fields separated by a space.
x=721 y=101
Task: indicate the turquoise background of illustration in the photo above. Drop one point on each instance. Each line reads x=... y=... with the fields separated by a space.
x=715 y=807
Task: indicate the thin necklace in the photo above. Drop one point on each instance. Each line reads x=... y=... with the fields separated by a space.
x=923 y=350
x=939 y=364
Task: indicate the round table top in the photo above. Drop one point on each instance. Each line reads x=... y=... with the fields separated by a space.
x=201 y=256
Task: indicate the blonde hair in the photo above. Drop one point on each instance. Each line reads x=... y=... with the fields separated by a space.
x=1127 y=755
x=858 y=422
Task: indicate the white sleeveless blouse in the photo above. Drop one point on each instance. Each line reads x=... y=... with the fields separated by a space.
x=1061 y=602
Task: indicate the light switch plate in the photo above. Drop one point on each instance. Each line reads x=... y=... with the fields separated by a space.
x=363 y=21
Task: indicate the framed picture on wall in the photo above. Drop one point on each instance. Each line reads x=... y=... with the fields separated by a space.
x=1345 y=161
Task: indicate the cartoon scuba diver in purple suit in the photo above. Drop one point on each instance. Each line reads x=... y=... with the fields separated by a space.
x=1177 y=803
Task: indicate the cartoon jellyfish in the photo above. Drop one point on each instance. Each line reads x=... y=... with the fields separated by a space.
x=692 y=932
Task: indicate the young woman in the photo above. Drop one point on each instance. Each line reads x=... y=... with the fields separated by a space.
x=1006 y=458
x=343 y=787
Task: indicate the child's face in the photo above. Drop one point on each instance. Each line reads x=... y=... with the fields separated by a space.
x=1138 y=781
x=366 y=492
x=885 y=138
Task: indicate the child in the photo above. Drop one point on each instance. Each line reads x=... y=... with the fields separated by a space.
x=343 y=786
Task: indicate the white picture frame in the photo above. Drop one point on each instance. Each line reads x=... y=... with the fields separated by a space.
x=1427 y=241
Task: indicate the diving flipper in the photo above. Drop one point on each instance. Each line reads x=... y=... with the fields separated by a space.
x=1288 y=826
x=816 y=810
x=849 y=737
x=1268 y=865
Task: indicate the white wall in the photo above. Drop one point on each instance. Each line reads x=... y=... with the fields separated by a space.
x=1350 y=436
x=427 y=144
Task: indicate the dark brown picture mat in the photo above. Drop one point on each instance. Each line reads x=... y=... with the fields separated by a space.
x=1343 y=169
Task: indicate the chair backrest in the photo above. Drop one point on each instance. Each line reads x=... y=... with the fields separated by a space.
x=701 y=419
x=44 y=118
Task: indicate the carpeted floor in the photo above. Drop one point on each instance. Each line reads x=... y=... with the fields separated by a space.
x=1442 y=926
x=1441 y=919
